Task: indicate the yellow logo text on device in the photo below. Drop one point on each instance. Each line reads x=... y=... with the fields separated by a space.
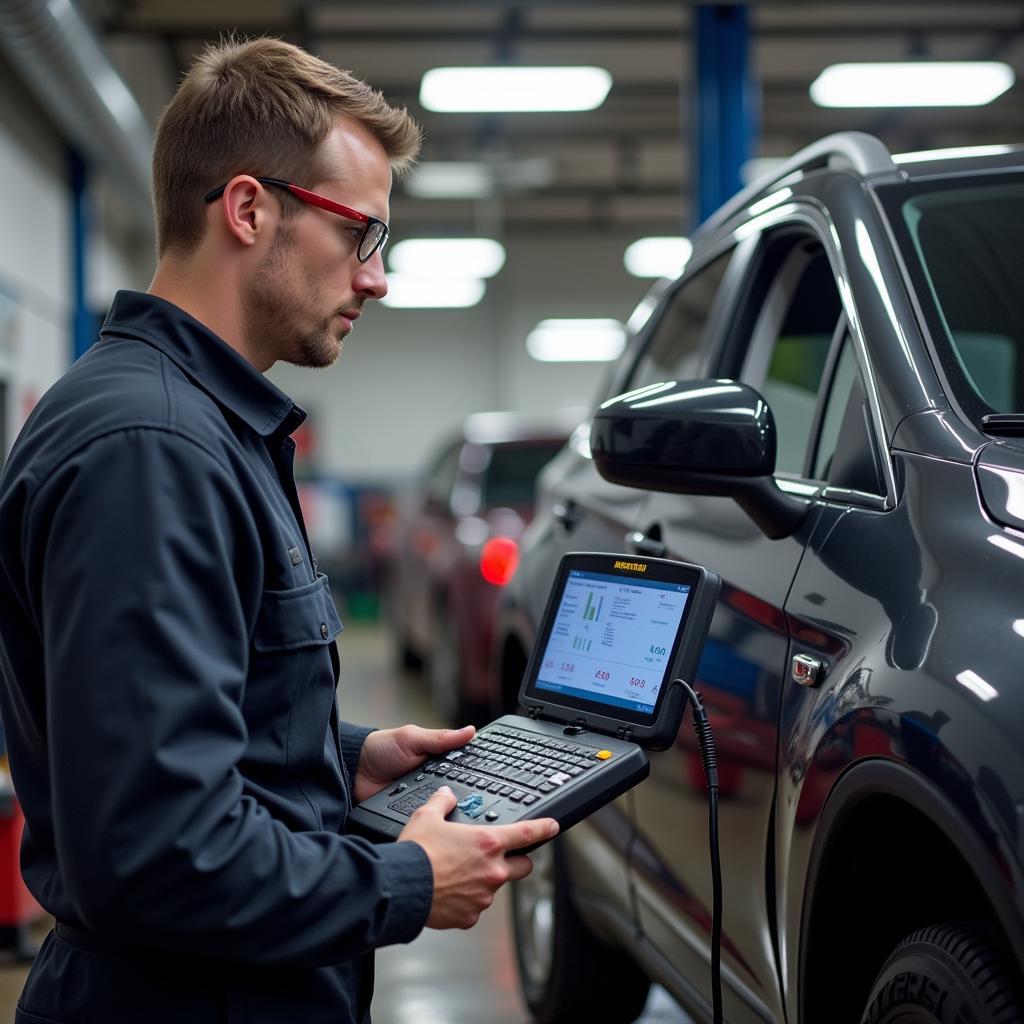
x=634 y=566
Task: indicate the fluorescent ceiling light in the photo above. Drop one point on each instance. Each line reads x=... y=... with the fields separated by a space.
x=478 y=179
x=462 y=90
x=657 y=256
x=454 y=179
x=413 y=291
x=576 y=341
x=455 y=257
x=915 y=84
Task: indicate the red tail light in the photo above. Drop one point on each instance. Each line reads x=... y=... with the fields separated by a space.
x=499 y=560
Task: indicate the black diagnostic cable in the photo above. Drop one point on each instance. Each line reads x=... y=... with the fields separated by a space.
x=706 y=743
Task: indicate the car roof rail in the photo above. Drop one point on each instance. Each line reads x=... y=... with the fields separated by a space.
x=859 y=151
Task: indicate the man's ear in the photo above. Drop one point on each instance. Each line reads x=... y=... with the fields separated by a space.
x=247 y=209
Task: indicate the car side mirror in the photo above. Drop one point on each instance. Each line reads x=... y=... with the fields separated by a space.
x=697 y=437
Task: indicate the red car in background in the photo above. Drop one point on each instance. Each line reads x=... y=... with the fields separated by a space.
x=456 y=545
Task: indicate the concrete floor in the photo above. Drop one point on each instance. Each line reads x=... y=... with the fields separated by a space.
x=450 y=977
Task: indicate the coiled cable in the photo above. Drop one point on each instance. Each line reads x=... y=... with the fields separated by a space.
x=709 y=758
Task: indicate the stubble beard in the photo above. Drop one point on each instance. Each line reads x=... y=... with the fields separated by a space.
x=276 y=312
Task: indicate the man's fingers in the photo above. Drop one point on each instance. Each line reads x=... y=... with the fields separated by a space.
x=435 y=741
x=441 y=801
x=525 y=833
x=518 y=867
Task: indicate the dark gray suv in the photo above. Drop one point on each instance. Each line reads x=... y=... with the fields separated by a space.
x=827 y=409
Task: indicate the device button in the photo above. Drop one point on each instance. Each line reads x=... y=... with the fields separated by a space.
x=491 y=815
x=420 y=777
x=530 y=798
x=516 y=795
x=558 y=778
x=603 y=755
x=398 y=788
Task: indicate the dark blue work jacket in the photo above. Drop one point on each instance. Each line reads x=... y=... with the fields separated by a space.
x=168 y=693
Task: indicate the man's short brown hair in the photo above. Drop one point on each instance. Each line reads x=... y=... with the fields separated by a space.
x=261 y=107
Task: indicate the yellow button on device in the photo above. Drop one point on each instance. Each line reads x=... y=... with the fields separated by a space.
x=603 y=755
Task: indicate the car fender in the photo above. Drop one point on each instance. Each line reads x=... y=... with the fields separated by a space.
x=830 y=791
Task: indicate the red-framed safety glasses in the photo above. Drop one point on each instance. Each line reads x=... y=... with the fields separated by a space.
x=374 y=235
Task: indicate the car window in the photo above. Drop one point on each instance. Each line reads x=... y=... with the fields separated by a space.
x=965 y=256
x=671 y=353
x=511 y=474
x=789 y=348
x=846 y=454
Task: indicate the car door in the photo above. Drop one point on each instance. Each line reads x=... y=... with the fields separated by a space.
x=785 y=325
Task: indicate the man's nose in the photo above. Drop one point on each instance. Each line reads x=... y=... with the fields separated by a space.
x=370 y=279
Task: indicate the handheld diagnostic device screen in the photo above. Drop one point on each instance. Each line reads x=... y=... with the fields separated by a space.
x=612 y=639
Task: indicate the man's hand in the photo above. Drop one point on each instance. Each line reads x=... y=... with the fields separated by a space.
x=389 y=753
x=470 y=862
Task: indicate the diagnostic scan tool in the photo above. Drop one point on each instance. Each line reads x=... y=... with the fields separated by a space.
x=617 y=630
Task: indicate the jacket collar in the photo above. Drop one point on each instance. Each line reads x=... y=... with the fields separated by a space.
x=210 y=361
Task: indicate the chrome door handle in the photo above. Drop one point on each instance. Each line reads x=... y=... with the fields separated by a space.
x=644 y=545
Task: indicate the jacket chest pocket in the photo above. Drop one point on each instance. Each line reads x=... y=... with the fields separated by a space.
x=300 y=617
x=290 y=690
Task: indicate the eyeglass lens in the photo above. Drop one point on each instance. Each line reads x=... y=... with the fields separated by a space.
x=372 y=240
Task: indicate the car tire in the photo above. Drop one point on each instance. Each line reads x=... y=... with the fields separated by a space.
x=945 y=974
x=565 y=971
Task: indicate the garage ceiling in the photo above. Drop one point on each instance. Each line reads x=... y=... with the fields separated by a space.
x=626 y=165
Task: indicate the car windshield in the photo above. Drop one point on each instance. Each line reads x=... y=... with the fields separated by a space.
x=512 y=472
x=963 y=246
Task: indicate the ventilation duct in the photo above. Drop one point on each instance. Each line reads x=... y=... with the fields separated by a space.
x=63 y=64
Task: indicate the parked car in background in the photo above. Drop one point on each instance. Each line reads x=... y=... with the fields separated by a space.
x=456 y=544
x=827 y=409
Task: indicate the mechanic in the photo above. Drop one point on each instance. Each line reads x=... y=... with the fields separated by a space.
x=168 y=659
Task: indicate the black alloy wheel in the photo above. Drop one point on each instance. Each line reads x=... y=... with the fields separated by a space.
x=566 y=972
x=946 y=974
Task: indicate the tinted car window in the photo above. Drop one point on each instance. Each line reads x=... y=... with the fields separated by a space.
x=846 y=455
x=511 y=474
x=964 y=257
x=671 y=352
x=787 y=362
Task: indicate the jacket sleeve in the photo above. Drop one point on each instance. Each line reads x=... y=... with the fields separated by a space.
x=352 y=739
x=148 y=576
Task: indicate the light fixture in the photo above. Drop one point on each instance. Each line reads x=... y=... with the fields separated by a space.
x=657 y=256
x=416 y=291
x=510 y=89
x=458 y=257
x=576 y=341
x=913 y=84
x=451 y=179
